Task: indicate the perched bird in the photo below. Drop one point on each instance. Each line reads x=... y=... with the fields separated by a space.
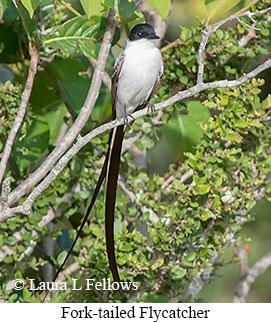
x=137 y=72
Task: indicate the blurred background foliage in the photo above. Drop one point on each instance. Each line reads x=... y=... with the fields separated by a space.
x=217 y=134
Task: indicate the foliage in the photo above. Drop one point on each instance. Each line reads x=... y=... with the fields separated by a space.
x=169 y=233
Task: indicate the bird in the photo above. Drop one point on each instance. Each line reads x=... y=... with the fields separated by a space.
x=137 y=73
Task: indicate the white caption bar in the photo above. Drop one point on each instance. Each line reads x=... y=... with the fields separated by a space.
x=156 y=313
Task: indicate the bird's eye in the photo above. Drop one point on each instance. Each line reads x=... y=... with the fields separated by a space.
x=139 y=34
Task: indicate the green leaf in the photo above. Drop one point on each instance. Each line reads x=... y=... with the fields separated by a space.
x=209 y=104
x=161 y=6
x=28 y=297
x=55 y=120
x=108 y=3
x=241 y=123
x=31 y=6
x=97 y=232
x=72 y=86
x=61 y=256
x=184 y=131
x=11 y=241
x=35 y=218
x=204 y=217
x=265 y=31
x=178 y=272
x=233 y=136
x=203 y=188
x=92 y=7
x=125 y=10
x=24 y=14
x=228 y=197
x=217 y=9
x=191 y=256
x=76 y=35
x=33 y=145
x=45 y=93
x=158 y=263
x=185 y=34
x=224 y=100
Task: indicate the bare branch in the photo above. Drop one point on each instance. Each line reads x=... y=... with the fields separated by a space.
x=106 y=77
x=5 y=189
x=34 y=54
x=210 y=30
x=248 y=276
x=243 y=259
x=248 y=26
x=80 y=121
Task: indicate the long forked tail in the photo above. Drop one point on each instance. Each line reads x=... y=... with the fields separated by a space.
x=110 y=200
x=94 y=197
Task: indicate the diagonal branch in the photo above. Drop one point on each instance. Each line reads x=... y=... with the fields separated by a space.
x=25 y=208
x=34 y=54
x=80 y=121
x=249 y=276
x=210 y=30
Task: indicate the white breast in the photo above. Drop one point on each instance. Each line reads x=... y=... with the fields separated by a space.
x=140 y=70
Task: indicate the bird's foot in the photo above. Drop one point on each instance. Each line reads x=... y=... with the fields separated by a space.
x=151 y=108
x=128 y=120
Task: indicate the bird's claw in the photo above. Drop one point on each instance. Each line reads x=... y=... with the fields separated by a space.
x=151 y=108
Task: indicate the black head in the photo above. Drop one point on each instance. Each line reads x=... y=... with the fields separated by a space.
x=143 y=31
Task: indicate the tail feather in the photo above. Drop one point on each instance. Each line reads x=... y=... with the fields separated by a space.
x=94 y=197
x=111 y=190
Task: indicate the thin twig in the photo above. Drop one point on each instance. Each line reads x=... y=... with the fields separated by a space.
x=210 y=30
x=34 y=54
x=70 y=7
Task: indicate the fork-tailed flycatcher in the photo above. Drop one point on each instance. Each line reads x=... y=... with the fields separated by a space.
x=137 y=72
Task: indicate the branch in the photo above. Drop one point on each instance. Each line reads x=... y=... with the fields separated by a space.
x=80 y=121
x=106 y=76
x=248 y=277
x=210 y=30
x=33 y=51
x=25 y=208
x=198 y=282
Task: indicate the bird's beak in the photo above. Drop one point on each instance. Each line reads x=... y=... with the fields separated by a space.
x=154 y=36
